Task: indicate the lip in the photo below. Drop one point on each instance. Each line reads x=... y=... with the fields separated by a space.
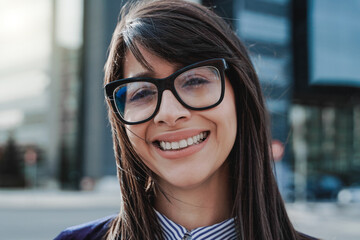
x=175 y=136
x=180 y=153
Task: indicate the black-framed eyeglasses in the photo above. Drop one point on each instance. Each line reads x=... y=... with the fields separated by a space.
x=198 y=86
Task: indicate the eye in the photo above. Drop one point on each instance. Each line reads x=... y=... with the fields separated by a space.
x=195 y=82
x=142 y=94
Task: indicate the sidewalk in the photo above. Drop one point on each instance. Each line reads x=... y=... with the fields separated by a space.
x=41 y=215
x=57 y=199
x=328 y=221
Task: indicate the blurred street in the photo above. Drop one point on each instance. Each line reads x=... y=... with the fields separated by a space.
x=41 y=215
x=328 y=221
x=36 y=215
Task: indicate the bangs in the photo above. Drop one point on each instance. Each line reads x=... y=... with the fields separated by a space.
x=179 y=40
x=131 y=44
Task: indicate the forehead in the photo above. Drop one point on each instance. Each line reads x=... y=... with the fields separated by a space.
x=160 y=68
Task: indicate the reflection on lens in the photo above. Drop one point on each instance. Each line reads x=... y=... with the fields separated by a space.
x=199 y=87
x=136 y=101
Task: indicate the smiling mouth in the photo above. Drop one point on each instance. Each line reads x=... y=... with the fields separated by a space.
x=183 y=143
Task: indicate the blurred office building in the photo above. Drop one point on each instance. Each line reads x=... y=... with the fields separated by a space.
x=53 y=118
x=25 y=79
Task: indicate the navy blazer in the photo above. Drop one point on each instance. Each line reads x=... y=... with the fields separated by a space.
x=94 y=230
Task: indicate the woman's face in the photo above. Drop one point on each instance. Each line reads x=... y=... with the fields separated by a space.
x=197 y=164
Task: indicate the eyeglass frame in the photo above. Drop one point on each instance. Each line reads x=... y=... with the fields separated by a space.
x=167 y=83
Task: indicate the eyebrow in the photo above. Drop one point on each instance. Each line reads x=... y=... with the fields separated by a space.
x=151 y=74
x=145 y=74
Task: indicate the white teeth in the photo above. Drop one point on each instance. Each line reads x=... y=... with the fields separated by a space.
x=167 y=145
x=183 y=143
x=190 y=141
x=175 y=145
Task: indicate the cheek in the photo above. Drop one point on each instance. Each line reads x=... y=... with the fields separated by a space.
x=229 y=121
x=225 y=119
x=230 y=107
x=137 y=136
x=228 y=115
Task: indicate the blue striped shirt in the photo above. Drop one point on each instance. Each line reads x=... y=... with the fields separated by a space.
x=221 y=231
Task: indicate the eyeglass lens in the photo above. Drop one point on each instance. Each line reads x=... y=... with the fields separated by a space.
x=198 y=88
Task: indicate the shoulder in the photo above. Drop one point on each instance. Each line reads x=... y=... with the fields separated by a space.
x=87 y=231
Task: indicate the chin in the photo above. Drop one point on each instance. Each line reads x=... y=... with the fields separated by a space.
x=188 y=181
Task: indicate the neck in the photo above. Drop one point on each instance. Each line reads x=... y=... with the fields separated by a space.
x=206 y=204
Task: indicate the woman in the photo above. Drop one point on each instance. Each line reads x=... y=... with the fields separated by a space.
x=190 y=132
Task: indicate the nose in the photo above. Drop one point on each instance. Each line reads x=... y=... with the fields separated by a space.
x=171 y=110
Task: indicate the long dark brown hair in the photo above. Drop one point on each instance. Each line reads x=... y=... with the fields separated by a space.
x=183 y=33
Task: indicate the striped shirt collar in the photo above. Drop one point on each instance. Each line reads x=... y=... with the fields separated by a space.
x=173 y=231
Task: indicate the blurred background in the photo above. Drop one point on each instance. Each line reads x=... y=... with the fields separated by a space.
x=56 y=160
